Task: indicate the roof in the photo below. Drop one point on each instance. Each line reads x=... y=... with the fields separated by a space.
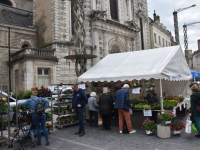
x=162 y=63
x=14 y=16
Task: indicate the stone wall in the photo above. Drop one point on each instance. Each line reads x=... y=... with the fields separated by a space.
x=18 y=36
x=23 y=4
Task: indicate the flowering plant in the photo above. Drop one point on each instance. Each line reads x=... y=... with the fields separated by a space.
x=166 y=116
x=177 y=126
x=149 y=125
x=149 y=85
x=135 y=84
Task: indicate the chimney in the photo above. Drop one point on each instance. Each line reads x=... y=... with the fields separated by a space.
x=158 y=18
x=154 y=16
x=198 y=44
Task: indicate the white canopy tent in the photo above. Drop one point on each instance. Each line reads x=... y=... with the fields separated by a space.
x=167 y=63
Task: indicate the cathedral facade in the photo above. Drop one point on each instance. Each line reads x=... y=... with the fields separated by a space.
x=112 y=26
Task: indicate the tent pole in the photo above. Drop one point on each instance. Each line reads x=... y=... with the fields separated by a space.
x=161 y=96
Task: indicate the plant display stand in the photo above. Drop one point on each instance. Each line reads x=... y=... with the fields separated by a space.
x=163 y=131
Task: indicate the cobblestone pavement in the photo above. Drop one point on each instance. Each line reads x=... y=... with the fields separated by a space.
x=98 y=139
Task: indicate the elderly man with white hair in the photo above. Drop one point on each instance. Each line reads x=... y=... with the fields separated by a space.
x=122 y=103
x=105 y=108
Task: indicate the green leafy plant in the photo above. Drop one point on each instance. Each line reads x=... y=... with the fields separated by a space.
x=149 y=85
x=149 y=125
x=135 y=84
x=3 y=122
x=166 y=116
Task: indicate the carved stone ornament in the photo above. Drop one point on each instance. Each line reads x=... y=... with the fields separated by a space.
x=140 y=14
x=133 y=25
x=98 y=14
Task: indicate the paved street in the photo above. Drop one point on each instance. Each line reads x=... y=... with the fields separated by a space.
x=97 y=139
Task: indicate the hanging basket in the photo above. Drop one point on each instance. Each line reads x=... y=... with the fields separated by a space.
x=163 y=131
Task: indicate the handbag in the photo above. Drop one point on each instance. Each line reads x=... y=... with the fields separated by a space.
x=188 y=128
x=198 y=108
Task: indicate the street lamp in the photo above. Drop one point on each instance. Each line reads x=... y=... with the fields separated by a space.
x=176 y=22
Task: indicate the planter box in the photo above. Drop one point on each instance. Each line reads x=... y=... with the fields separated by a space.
x=163 y=131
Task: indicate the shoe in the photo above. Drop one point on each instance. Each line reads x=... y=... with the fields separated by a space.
x=47 y=143
x=120 y=131
x=82 y=134
x=38 y=144
x=78 y=132
x=133 y=131
x=198 y=135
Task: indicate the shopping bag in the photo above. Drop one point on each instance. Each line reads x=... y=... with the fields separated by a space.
x=188 y=128
x=194 y=129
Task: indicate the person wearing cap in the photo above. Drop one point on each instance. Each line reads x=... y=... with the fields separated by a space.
x=105 y=108
x=93 y=108
x=122 y=103
x=152 y=98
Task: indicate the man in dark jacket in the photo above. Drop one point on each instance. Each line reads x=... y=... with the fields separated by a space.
x=79 y=100
x=122 y=103
x=105 y=108
x=152 y=98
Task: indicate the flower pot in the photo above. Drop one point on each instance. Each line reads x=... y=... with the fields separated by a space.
x=163 y=131
x=176 y=132
x=148 y=132
x=167 y=123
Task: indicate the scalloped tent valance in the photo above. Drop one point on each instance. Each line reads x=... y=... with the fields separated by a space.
x=167 y=63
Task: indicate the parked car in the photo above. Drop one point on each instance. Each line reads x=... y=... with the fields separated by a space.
x=62 y=93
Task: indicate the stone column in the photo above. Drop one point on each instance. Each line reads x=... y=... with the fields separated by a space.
x=96 y=46
x=105 y=43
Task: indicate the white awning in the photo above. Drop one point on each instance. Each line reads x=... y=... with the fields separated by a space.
x=167 y=63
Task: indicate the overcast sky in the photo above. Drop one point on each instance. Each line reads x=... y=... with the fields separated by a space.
x=165 y=9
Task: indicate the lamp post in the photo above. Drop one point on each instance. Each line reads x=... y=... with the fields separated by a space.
x=176 y=22
x=9 y=71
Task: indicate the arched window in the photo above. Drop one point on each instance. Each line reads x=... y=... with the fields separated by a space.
x=25 y=45
x=6 y=2
x=115 y=49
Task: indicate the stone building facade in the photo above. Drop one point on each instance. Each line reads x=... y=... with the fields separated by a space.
x=159 y=35
x=112 y=26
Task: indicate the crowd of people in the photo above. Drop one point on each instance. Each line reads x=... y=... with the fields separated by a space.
x=105 y=106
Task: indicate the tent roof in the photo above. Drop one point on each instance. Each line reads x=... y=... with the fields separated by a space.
x=162 y=63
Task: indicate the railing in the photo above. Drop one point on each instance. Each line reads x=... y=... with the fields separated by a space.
x=34 y=53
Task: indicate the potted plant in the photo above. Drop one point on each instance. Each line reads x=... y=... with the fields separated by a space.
x=149 y=126
x=163 y=129
x=149 y=86
x=166 y=117
x=176 y=127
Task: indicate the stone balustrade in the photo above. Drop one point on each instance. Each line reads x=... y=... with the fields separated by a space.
x=33 y=53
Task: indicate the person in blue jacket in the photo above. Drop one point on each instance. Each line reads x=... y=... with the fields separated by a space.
x=79 y=99
x=38 y=118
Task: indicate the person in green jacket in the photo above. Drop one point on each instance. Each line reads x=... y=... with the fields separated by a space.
x=195 y=100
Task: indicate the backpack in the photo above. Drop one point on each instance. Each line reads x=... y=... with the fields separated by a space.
x=39 y=108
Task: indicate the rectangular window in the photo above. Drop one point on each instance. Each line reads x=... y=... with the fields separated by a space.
x=113 y=9
x=43 y=77
x=155 y=38
x=72 y=16
x=163 y=42
x=159 y=40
